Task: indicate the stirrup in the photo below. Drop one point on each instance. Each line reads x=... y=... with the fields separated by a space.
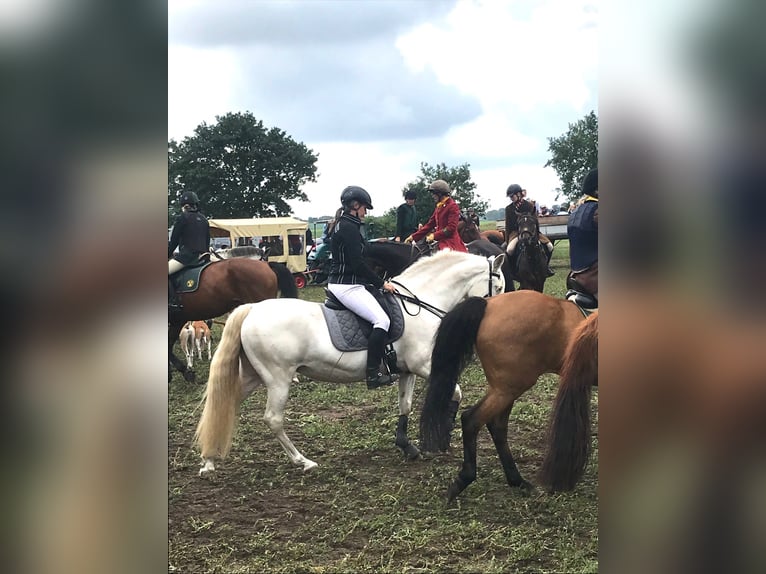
x=376 y=379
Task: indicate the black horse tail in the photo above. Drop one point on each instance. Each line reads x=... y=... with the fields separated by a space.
x=453 y=349
x=569 y=430
x=285 y=280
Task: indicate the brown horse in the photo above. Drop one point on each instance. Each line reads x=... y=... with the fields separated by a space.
x=569 y=429
x=223 y=286
x=468 y=232
x=518 y=336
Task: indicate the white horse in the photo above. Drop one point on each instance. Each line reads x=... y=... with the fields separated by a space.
x=248 y=251
x=268 y=342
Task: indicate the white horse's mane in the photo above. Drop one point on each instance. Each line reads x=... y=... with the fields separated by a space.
x=437 y=260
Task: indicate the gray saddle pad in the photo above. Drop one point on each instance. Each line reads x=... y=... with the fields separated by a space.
x=349 y=332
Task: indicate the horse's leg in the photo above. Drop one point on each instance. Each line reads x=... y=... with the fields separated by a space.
x=467 y=474
x=406 y=389
x=498 y=428
x=174 y=330
x=274 y=417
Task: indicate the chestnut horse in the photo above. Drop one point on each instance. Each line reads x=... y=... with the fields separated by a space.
x=223 y=286
x=468 y=232
x=569 y=430
x=517 y=336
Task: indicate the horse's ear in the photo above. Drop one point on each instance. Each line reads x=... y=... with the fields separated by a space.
x=497 y=262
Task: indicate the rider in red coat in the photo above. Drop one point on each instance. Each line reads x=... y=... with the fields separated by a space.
x=442 y=226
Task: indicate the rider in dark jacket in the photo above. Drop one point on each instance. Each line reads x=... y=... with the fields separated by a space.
x=582 y=230
x=191 y=234
x=349 y=273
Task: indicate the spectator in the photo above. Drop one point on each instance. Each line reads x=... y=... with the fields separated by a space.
x=406 y=216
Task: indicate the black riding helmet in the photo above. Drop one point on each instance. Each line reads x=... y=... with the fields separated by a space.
x=355 y=193
x=590 y=183
x=512 y=189
x=189 y=198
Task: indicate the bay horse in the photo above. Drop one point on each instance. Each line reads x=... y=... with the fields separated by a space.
x=531 y=263
x=517 y=336
x=569 y=432
x=224 y=285
x=298 y=329
x=468 y=232
x=389 y=258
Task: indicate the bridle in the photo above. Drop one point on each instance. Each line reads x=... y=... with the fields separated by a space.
x=412 y=298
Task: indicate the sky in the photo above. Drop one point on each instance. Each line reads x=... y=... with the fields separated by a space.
x=375 y=87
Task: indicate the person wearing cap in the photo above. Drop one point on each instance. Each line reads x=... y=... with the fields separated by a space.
x=582 y=229
x=442 y=225
x=406 y=216
x=518 y=206
x=349 y=275
x=191 y=235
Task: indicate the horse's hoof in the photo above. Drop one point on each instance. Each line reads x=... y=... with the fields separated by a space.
x=453 y=491
x=412 y=452
x=525 y=487
x=206 y=469
x=190 y=376
x=309 y=465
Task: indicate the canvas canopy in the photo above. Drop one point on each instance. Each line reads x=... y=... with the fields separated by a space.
x=255 y=227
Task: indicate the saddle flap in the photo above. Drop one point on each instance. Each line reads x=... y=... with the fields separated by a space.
x=349 y=332
x=187 y=279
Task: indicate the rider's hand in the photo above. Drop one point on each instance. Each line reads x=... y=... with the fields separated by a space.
x=389 y=287
x=409 y=239
x=430 y=237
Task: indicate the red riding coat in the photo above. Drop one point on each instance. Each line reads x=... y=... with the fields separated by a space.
x=443 y=224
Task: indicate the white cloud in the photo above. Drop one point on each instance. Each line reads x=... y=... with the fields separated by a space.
x=491 y=135
x=199 y=87
x=515 y=73
x=488 y=51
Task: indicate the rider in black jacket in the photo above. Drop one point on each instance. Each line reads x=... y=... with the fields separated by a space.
x=191 y=234
x=350 y=273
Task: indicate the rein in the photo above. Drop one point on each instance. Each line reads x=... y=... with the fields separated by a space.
x=412 y=298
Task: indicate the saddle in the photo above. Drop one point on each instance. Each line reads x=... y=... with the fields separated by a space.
x=580 y=295
x=349 y=332
x=187 y=279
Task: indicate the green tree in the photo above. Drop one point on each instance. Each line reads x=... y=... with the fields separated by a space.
x=239 y=168
x=459 y=180
x=574 y=154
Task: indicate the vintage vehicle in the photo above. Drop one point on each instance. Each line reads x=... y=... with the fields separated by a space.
x=283 y=238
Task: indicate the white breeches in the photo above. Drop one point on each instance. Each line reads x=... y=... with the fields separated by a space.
x=357 y=299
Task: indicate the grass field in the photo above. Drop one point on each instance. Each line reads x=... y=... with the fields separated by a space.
x=366 y=509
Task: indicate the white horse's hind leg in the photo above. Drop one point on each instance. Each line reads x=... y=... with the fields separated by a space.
x=274 y=417
x=406 y=388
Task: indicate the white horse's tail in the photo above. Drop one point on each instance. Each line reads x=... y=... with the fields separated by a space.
x=223 y=392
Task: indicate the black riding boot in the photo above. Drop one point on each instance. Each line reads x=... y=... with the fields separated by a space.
x=549 y=254
x=173 y=302
x=375 y=348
